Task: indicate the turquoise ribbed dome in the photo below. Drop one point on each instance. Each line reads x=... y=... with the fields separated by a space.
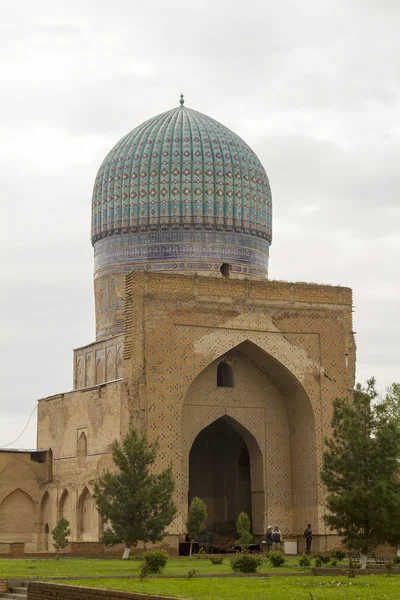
x=181 y=169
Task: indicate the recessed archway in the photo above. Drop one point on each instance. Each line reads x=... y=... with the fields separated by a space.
x=269 y=407
x=219 y=474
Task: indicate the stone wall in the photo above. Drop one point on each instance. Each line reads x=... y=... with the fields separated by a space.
x=48 y=591
x=21 y=474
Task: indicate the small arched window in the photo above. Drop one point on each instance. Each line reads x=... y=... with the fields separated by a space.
x=224 y=375
x=225 y=270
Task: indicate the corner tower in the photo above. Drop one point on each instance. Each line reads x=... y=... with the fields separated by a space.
x=181 y=193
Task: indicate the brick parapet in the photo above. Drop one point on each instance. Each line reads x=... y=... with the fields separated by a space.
x=163 y=285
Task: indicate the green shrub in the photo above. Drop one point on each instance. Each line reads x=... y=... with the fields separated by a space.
x=276 y=558
x=396 y=560
x=324 y=558
x=304 y=560
x=354 y=564
x=216 y=559
x=243 y=526
x=389 y=567
x=334 y=562
x=192 y=573
x=144 y=570
x=318 y=561
x=245 y=563
x=155 y=560
x=201 y=553
x=338 y=554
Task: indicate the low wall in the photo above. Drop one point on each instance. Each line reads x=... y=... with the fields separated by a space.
x=49 y=591
x=169 y=544
x=341 y=571
x=13 y=548
x=3 y=584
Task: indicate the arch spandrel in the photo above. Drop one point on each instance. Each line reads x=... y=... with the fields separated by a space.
x=283 y=357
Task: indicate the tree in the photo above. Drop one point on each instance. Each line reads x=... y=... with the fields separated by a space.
x=196 y=522
x=243 y=526
x=135 y=502
x=60 y=535
x=361 y=471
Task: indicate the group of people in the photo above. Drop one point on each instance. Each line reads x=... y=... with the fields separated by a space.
x=273 y=538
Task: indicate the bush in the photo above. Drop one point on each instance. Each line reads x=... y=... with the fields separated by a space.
x=201 y=553
x=318 y=561
x=245 y=563
x=216 y=559
x=276 y=558
x=354 y=564
x=304 y=560
x=324 y=558
x=396 y=560
x=334 y=562
x=155 y=561
x=192 y=573
x=338 y=554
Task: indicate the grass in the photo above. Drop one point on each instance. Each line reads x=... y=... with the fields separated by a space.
x=76 y=567
x=372 y=587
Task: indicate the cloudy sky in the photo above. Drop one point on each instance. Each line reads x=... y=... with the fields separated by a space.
x=313 y=86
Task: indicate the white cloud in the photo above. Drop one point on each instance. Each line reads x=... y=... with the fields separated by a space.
x=313 y=87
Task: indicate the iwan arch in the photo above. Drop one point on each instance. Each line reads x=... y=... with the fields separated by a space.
x=232 y=373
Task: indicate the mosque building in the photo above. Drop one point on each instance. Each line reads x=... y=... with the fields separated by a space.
x=234 y=374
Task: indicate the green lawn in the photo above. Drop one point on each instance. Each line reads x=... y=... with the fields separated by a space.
x=92 y=567
x=371 y=587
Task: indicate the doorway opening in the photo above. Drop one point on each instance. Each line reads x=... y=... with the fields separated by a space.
x=219 y=474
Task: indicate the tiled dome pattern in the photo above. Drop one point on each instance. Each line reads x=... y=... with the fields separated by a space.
x=181 y=169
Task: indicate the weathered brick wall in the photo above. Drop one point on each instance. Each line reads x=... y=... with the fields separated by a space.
x=3 y=584
x=48 y=591
x=298 y=337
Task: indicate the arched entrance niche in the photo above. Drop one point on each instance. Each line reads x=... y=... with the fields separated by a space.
x=225 y=471
x=86 y=517
x=272 y=412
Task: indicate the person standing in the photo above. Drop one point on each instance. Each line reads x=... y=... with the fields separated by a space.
x=308 y=538
x=268 y=538
x=276 y=538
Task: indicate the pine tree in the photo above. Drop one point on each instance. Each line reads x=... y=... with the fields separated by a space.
x=60 y=535
x=196 y=522
x=135 y=502
x=243 y=526
x=361 y=471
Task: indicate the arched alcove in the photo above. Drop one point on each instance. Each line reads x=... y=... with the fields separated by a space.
x=220 y=473
x=46 y=532
x=271 y=408
x=64 y=506
x=81 y=449
x=17 y=517
x=86 y=517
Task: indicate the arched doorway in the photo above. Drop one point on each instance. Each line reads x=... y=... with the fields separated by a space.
x=46 y=532
x=221 y=473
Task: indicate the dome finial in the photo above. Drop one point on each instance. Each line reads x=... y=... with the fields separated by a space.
x=181 y=101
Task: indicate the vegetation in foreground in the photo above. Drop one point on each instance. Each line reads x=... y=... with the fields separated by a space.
x=135 y=502
x=280 y=588
x=87 y=567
